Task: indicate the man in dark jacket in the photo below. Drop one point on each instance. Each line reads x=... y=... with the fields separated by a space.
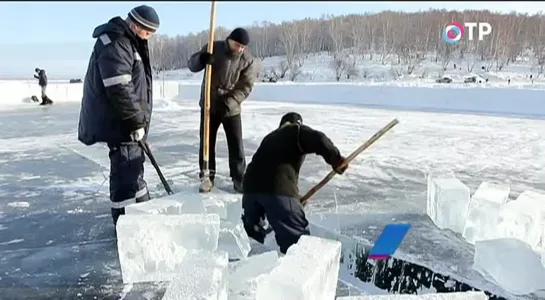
x=42 y=81
x=117 y=101
x=270 y=182
x=233 y=76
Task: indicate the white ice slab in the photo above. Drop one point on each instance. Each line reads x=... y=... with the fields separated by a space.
x=448 y=202
x=244 y=275
x=537 y=201
x=483 y=213
x=441 y=296
x=521 y=219
x=511 y=263
x=234 y=240
x=192 y=202
x=233 y=209
x=160 y=206
x=309 y=271
x=201 y=276
x=431 y=207
x=151 y=247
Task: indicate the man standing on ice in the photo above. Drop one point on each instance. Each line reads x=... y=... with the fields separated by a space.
x=117 y=101
x=42 y=82
x=233 y=76
x=270 y=182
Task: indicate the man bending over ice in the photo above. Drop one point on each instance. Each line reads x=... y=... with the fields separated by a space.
x=270 y=183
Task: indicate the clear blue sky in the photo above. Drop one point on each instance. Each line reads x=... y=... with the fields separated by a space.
x=52 y=22
x=57 y=35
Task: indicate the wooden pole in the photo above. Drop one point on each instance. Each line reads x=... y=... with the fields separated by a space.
x=207 y=83
x=353 y=155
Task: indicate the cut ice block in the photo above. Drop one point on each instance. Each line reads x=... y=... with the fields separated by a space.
x=201 y=276
x=151 y=247
x=234 y=240
x=215 y=206
x=448 y=201
x=192 y=202
x=234 y=210
x=511 y=263
x=483 y=213
x=309 y=271
x=431 y=208
x=244 y=275
x=537 y=200
x=522 y=219
x=158 y=206
x=441 y=296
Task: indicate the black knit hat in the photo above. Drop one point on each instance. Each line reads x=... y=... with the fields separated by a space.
x=145 y=17
x=240 y=35
x=291 y=117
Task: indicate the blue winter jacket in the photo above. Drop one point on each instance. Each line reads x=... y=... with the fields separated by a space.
x=117 y=89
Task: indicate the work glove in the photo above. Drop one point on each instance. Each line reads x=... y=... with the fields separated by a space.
x=138 y=134
x=206 y=58
x=340 y=166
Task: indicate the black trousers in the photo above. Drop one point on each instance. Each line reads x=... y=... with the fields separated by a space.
x=285 y=215
x=127 y=184
x=235 y=146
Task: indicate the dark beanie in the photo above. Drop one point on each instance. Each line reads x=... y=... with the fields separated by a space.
x=240 y=35
x=145 y=17
x=291 y=117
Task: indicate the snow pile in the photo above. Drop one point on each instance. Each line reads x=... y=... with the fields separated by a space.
x=19 y=93
x=502 y=231
x=444 y=296
x=189 y=239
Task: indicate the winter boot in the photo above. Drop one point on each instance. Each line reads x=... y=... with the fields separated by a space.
x=207 y=184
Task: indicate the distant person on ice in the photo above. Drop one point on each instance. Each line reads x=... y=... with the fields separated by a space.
x=42 y=81
x=117 y=101
x=233 y=76
x=270 y=182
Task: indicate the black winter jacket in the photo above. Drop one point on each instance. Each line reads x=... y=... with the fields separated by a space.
x=42 y=78
x=117 y=90
x=277 y=161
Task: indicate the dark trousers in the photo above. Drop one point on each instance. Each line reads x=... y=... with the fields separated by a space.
x=285 y=215
x=233 y=133
x=127 y=184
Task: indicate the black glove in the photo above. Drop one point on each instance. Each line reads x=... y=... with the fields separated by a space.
x=340 y=166
x=206 y=58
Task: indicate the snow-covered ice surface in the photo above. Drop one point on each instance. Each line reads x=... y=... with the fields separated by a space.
x=58 y=239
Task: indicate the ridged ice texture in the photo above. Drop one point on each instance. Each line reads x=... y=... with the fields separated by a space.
x=151 y=247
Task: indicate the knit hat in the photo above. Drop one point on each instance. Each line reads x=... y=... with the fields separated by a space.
x=291 y=117
x=145 y=17
x=240 y=35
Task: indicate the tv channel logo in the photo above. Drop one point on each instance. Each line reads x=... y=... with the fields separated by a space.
x=455 y=31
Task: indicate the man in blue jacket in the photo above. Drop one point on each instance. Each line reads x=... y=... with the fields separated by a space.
x=117 y=101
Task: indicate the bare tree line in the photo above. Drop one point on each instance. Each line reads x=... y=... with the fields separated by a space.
x=396 y=38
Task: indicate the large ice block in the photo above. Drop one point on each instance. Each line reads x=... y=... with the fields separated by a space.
x=201 y=276
x=244 y=275
x=537 y=200
x=483 y=213
x=213 y=205
x=192 y=202
x=521 y=219
x=441 y=296
x=234 y=240
x=233 y=210
x=309 y=271
x=448 y=201
x=511 y=263
x=151 y=247
x=159 y=206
